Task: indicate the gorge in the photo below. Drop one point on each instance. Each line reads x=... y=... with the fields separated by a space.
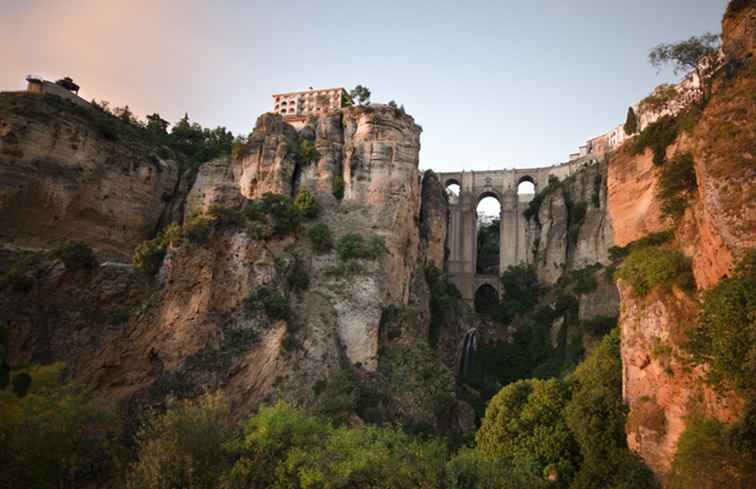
x=318 y=272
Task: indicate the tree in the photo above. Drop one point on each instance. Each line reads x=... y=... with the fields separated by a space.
x=156 y=125
x=524 y=424
x=56 y=435
x=184 y=447
x=362 y=94
x=631 y=122
x=697 y=53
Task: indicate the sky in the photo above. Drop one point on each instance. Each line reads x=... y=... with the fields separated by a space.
x=499 y=84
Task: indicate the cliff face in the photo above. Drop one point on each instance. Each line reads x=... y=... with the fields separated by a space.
x=63 y=178
x=191 y=327
x=573 y=229
x=717 y=226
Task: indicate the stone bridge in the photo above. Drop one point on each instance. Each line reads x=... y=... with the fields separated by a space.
x=514 y=245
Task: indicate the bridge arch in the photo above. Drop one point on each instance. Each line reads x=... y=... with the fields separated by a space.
x=486 y=297
x=453 y=190
x=516 y=236
x=526 y=185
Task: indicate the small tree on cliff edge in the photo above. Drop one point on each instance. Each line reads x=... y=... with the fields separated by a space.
x=697 y=53
x=362 y=94
x=631 y=123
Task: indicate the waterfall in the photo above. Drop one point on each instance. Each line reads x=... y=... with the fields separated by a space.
x=469 y=345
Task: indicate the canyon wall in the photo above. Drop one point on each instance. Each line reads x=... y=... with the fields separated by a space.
x=191 y=328
x=718 y=226
x=64 y=177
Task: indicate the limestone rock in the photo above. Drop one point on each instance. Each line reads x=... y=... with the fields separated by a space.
x=60 y=178
x=214 y=184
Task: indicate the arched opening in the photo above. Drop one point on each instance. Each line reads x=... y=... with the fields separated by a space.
x=526 y=186
x=486 y=299
x=488 y=235
x=452 y=191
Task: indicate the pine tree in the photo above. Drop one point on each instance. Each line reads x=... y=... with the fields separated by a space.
x=631 y=123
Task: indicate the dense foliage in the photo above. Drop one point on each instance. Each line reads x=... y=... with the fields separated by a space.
x=184 y=446
x=711 y=455
x=55 y=435
x=724 y=337
x=647 y=268
x=353 y=246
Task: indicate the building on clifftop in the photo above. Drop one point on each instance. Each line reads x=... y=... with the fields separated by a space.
x=64 y=88
x=295 y=107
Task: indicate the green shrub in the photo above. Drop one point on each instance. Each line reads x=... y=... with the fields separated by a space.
x=320 y=237
x=283 y=212
x=307 y=205
x=304 y=151
x=55 y=435
x=650 y=267
x=268 y=300
x=677 y=183
x=657 y=136
x=254 y=210
x=706 y=458
x=225 y=216
x=353 y=246
x=724 y=336
x=75 y=255
x=197 y=228
x=148 y=256
x=184 y=447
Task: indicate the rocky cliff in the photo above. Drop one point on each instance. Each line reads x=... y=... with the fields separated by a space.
x=64 y=174
x=716 y=226
x=198 y=323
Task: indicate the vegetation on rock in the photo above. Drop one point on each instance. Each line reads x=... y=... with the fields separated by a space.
x=677 y=184
x=647 y=268
x=320 y=237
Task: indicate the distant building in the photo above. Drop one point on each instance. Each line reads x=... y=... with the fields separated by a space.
x=297 y=106
x=64 y=88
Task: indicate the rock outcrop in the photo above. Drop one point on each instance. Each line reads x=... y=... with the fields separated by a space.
x=64 y=177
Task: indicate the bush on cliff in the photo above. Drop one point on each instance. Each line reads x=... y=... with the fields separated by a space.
x=75 y=255
x=282 y=212
x=149 y=255
x=268 y=300
x=650 y=267
x=724 y=337
x=677 y=183
x=320 y=237
x=307 y=204
x=709 y=457
x=197 y=228
x=353 y=246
